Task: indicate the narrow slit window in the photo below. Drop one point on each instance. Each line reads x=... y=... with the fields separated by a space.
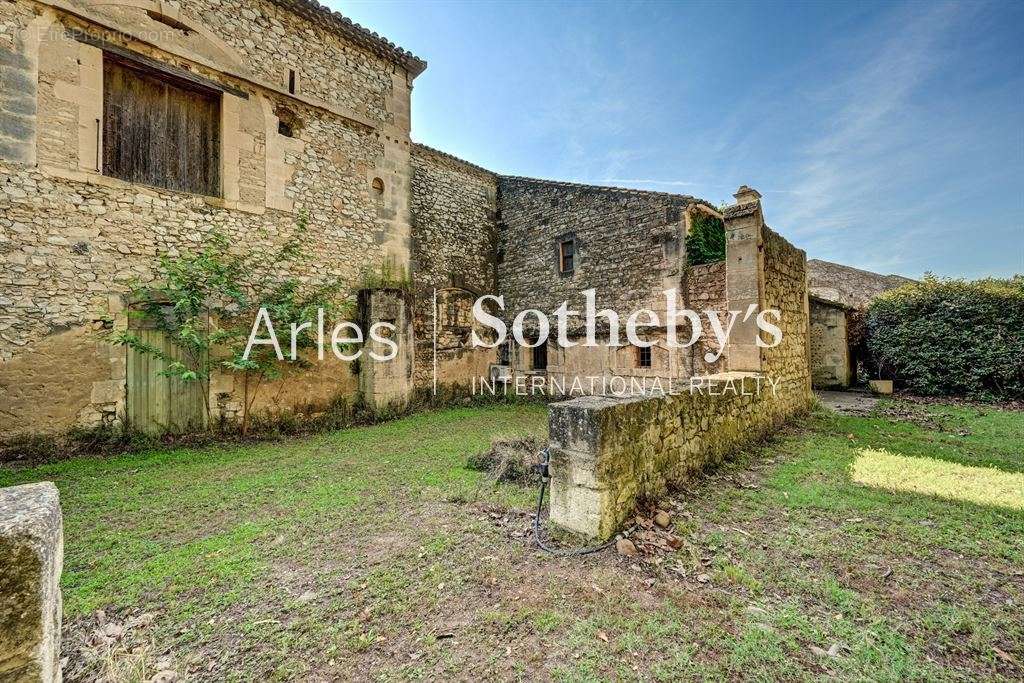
x=567 y=256
x=643 y=356
x=292 y=85
x=540 y=357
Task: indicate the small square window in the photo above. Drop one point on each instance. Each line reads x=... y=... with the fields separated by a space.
x=643 y=356
x=567 y=256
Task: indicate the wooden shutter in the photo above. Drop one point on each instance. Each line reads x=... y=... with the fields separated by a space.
x=158 y=131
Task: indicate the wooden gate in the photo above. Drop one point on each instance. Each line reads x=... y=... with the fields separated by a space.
x=158 y=404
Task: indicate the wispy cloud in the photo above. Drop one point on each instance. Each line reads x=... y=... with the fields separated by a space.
x=647 y=181
x=849 y=171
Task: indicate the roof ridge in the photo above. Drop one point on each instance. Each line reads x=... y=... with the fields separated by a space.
x=863 y=270
x=446 y=155
x=313 y=10
x=606 y=188
x=566 y=183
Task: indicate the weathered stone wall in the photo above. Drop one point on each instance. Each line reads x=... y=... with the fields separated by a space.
x=849 y=286
x=830 y=353
x=31 y=559
x=72 y=239
x=702 y=289
x=386 y=383
x=629 y=245
x=785 y=290
x=705 y=291
x=608 y=454
x=454 y=205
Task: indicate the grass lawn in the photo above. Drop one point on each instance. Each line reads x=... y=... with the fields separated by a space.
x=851 y=548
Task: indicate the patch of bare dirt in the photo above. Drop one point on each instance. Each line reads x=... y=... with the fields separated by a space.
x=1007 y=404
x=113 y=645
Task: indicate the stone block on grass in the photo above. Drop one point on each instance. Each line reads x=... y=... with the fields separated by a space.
x=31 y=559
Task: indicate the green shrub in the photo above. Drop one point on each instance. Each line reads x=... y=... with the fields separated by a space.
x=951 y=337
x=706 y=241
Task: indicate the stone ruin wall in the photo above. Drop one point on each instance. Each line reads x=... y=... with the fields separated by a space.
x=619 y=244
x=849 y=286
x=630 y=248
x=609 y=454
x=72 y=239
x=785 y=289
x=453 y=252
x=705 y=291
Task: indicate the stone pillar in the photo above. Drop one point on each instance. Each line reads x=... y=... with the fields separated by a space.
x=744 y=276
x=31 y=558
x=578 y=500
x=386 y=384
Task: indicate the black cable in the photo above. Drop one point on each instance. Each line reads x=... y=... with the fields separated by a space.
x=544 y=476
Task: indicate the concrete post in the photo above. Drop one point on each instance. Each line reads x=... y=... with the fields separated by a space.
x=31 y=558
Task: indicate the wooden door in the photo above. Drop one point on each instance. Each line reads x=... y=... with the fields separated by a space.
x=158 y=404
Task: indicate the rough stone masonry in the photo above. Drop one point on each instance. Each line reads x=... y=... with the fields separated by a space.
x=610 y=453
x=312 y=115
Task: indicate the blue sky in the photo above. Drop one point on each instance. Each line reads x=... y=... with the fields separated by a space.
x=885 y=136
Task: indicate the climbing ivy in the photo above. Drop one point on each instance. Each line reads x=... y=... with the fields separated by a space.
x=706 y=241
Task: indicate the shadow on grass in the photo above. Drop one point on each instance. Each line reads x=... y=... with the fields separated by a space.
x=974 y=437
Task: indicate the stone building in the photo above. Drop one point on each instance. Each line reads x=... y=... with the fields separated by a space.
x=134 y=128
x=838 y=295
x=557 y=240
x=272 y=107
x=609 y=453
x=832 y=364
x=455 y=208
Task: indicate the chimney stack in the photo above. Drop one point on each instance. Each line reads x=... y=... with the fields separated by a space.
x=747 y=195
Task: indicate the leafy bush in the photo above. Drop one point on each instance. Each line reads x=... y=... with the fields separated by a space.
x=706 y=241
x=951 y=337
x=205 y=303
